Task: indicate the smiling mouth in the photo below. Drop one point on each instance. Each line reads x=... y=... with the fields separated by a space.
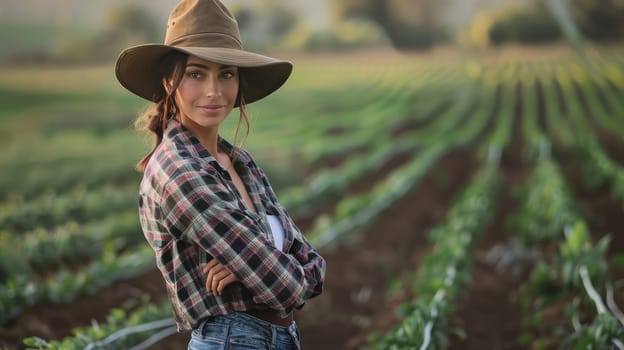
x=211 y=108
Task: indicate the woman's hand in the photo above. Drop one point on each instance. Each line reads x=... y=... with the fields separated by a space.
x=218 y=277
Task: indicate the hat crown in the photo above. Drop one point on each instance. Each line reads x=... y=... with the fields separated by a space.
x=202 y=23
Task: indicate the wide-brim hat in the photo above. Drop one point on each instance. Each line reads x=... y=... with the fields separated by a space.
x=206 y=29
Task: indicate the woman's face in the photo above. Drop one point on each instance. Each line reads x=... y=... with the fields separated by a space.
x=206 y=94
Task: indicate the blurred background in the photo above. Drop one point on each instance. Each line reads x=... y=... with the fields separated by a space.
x=76 y=32
x=392 y=107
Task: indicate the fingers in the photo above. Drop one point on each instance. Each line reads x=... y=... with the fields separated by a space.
x=211 y=273
x=231 y=278
x=212 y=267
x=211 y=264
x=218 y=277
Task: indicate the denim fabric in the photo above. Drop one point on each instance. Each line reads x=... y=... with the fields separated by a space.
x=240 y=331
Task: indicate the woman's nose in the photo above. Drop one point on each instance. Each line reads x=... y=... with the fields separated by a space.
x=212 y=87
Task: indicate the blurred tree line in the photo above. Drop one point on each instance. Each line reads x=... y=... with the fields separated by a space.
x=124 y=26
x=269 y=25
x=407 y=23
x=404 y=24
x=543 y=21
x=417 y=23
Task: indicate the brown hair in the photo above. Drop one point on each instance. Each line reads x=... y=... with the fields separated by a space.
x=155 y=118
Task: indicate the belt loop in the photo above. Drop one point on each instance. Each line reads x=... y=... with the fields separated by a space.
x=273 y=335
x=292 y=329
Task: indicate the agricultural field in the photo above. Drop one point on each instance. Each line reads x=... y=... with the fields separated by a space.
x=462 y=200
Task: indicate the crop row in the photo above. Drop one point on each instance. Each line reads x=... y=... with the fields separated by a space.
x=357 y=211
x=332 y=183
x=42 y=251
x=548 y=215
x=548 y=211
x=443 y=272
x=20 y=293
x=545 y=211
x=47 y=166
x=80 y=206
x=139 y=329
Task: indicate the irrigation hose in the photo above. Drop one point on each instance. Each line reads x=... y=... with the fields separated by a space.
x=600 y=307
x=613 y=306
x=131 y=330
x=155 y=338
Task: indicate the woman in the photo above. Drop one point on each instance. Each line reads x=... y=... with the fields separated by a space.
x=234 y=263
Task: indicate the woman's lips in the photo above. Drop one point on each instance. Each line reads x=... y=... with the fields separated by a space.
x=211 y=108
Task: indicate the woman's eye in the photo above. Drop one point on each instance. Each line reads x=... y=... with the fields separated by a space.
x=228 y=75
x=195 y=75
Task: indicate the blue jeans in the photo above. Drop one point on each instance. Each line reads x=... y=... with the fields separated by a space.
x=240 y=331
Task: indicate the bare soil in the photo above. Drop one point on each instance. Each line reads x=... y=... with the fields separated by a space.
x=356 y=301
x=487 y=314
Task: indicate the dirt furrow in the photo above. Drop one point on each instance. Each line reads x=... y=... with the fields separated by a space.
x=355 y=301
x=487 y=312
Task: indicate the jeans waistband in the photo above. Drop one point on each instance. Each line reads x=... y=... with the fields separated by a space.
x=247 y=320
x=271 y=317
x=251 y=324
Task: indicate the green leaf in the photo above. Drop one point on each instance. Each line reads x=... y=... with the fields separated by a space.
x=576 y=240
x=35 y=343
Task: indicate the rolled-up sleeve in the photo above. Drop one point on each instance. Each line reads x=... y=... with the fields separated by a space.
x=198 y=207
x=313 y=267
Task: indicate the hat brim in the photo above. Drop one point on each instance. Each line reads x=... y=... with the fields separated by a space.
x=137 y=69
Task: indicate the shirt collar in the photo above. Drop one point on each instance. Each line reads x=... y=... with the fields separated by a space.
x=180 y=135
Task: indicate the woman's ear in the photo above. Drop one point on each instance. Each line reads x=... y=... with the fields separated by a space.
x=168 y=85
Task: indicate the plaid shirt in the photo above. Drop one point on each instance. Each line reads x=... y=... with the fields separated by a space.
x=190 y=212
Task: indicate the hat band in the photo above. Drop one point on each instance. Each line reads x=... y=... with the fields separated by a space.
x=207 y=40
